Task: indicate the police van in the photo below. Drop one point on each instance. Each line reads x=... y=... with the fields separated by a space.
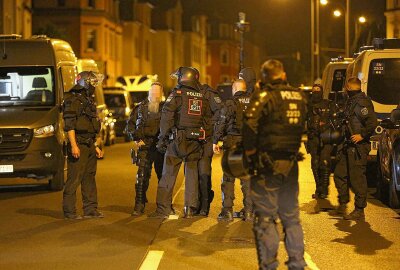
x=34 y=73
x=378 y=68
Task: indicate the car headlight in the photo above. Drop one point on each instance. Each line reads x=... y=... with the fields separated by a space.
x=43 y=132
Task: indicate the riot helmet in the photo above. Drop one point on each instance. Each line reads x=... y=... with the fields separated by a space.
x=234 y=163
x=317 y=93
x=187 y=76
x=89 y=80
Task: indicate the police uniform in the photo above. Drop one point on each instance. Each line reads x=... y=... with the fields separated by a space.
x=211 y=114
x=273 y=125
x=318 y=121
x=352 y=158
x=80 y=115
x=182 y=121
x=229 y=128
x=144 y=125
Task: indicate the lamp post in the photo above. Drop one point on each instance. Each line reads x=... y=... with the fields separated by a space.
x=242 y=26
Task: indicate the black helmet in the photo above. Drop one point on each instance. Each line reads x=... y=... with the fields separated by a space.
x=89 y=78
x=332 y=136
x=187 y=76
x=234 y=163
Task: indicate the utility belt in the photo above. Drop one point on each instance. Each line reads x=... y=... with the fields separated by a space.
x=88 y=141
x=280 y=163
x=196 y=134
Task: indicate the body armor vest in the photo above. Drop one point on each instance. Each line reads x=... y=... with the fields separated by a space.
x=192 y=109
x=284 y=124
x=356 y=124
x=87 y=121
x=319 y=116
x=241 y=102
x=148 y=122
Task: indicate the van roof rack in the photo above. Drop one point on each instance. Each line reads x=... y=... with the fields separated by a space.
x=365 y=48
x=39 y=37
x=10 y=36
x=341 y=59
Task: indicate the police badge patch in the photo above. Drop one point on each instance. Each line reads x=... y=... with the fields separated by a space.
x=364 y=111
x=217 y=99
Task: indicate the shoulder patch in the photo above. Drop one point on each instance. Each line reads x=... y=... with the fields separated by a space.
x=364 y=111
x=217 y=100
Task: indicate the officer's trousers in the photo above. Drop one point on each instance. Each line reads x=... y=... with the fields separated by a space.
x=205 y=175
x=320 y=164
x=228 y=193
x=147 y=156
x=178 y=151
x=276 y=196
x=350 y=173
x=81 y=171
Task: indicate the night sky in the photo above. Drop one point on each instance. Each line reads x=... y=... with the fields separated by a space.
x=283 y=26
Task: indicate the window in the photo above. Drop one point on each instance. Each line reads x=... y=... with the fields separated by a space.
x=196 y=54
x=61 y=3
x=339 y=77
x=224 y=57
x=384 y=81
x=27 y=86
x=147 y=50
x=91 y=40
x=92 y=3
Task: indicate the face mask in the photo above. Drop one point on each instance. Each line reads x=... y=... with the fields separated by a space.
x=316 y=96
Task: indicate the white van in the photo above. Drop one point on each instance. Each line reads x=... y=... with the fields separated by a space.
x=334 y=75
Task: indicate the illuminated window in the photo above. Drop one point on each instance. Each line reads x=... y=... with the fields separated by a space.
x=91 y=40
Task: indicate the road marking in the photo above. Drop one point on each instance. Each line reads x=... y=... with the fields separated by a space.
x=152 y=260
x=311 y=265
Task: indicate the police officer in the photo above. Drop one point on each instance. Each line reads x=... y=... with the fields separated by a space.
x=350 y=169
x=249 y=76
x=82 y=125
x=272 y=131
x=143 y=127
x=318 y=121
x=182 y=120
x=206 y=194
x=229 y=129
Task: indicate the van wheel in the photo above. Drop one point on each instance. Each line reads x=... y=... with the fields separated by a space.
x=57 y=181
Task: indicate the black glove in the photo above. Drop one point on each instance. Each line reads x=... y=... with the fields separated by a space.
x=161 y=146
x=253 y=162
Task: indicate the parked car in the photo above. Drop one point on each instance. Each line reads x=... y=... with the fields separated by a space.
x=388 y=184
x=34 y=74
x=106 y=135
x=120 y=106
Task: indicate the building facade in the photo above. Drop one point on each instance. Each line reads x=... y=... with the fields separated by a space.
x=92 y=27
x=138 y=37
x=16 y=17
x=392 y=18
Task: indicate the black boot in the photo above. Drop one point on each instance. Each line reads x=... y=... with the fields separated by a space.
x=226 y=215
x=317 y=182
x=138 y=209
x=324 y=182
x=188 y=212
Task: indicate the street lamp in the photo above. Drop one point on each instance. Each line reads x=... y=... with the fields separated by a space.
x=337 y=13
x=362 y=19
x=323 y=2
x=242 y=26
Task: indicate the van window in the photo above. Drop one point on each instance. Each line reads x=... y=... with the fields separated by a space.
x=27 y=86
x=339 y=77
x=68 y=74
x=116 y=103
x=384 y=81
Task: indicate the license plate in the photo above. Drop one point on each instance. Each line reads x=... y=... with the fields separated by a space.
x=374 y=145
x=6 y=168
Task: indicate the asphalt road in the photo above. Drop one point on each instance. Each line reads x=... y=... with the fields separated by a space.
x=34 y=235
